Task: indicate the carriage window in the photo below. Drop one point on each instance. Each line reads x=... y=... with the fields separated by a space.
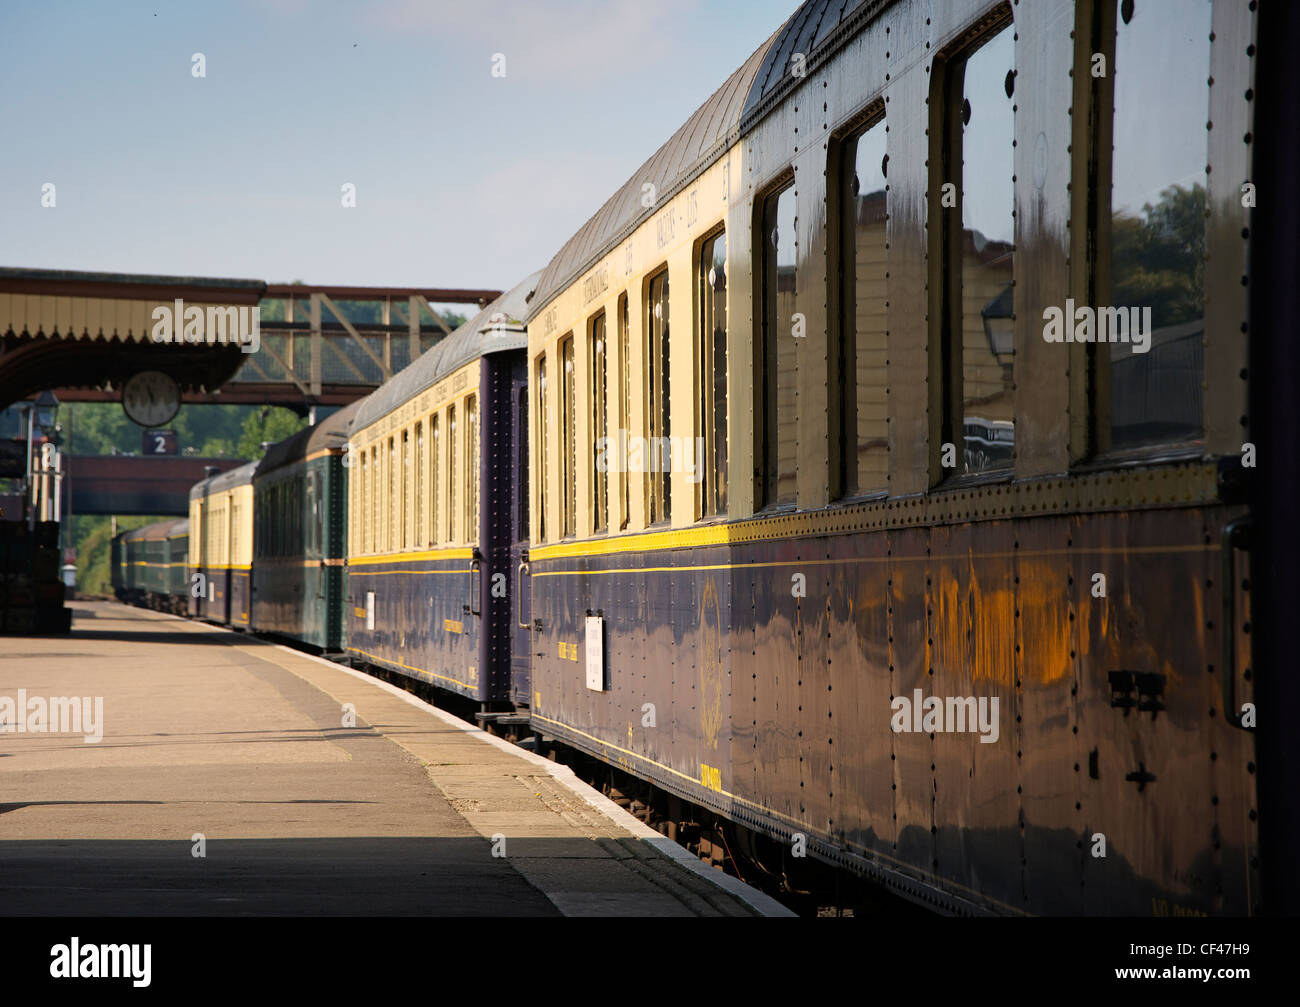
x=374 y=499
x=471 y=468
x=1156 y=318
x=568 y=445
x=317 y=515
x=435 y=467
x=624 y=404
x=453 y=451
x=363 y=514
x=406 y=488
x=711 y=359
x=543 y=449
x=599 y=433
x=986 y=276
x=775 y=422
x=864 y=436
x=394 y=497
x=658 y=458
x=419 y=485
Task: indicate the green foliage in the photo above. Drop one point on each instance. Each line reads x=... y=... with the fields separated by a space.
x=269 y=424
x=102 y=428
x=1159 y=258
x=92 y=535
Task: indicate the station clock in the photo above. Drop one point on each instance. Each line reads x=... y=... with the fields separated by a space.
x=151 y=398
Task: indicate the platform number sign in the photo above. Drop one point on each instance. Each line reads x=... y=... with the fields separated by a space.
x=158 y=442
x=596 y=653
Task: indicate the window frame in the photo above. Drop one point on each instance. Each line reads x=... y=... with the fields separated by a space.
x=843 y=395
x=624 y=322
x=420 y=507
x=946 y=365
x=541 y=380
x=472 y=419
x=568 y=415
x=1099 y=22
x=661 y=426
x=766 y=385
x=705 y=404
x=453 y=454
x=436 y=480
x=598 y=420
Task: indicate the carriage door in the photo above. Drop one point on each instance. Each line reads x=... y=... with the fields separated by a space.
x=521 y=592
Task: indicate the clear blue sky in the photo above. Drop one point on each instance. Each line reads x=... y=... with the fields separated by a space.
x=463 y=179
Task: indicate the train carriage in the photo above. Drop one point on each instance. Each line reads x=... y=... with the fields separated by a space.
x=149 y=565
x=299 y=549
x=918 y=544
x=882 y=484
x=221 y=547
x=434 y=533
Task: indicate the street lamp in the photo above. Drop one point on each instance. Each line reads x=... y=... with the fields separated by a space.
x=1000 y=326
x=47 y=407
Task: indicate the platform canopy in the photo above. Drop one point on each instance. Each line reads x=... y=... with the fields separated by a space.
x=92 y=331
x=85 y=334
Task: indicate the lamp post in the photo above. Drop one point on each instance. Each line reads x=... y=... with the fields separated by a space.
x=40 y=413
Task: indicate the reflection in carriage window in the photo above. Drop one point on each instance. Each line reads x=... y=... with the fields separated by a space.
x=711 y=355
x=405 y=488
x=419 y=484
x=596 y=356
x=453 y=457
x=776 y=421
x=658 y=481
x=1157 y=227
x=375 y=486
x=569 y=438
x=435 y=466
x=624 y=404
x=864 y=459
x=987 y=255
x=543 y=449
x=394 y=496
x=471 y=468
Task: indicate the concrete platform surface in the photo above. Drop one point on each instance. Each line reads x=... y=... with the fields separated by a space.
x=226 y=783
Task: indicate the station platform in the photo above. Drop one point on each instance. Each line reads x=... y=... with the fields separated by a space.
x=232 y=747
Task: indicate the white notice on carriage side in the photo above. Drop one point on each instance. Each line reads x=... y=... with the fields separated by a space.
x=596 y=653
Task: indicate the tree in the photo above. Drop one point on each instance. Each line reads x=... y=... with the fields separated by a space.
x=270 y=423
x=1158 y=259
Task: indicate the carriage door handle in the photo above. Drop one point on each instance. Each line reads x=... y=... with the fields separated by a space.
x=519 y=595
x=475 y=567
x=1236 y=537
